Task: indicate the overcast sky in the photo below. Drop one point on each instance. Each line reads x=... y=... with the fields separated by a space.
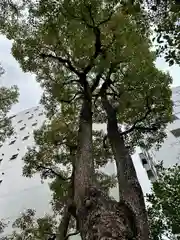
x=30 y=91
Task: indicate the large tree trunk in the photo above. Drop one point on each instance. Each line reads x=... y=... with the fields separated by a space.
x=98 y=216
x=129 y=188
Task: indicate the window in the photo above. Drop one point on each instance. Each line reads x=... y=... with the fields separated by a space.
x=174 y=117
x=34 y=124
x=144 y=161
x=12 y=117
x=13 y=157
x=25 y=138
x=150 y=174
x=12 y=142
x=176 y=132
x=30 y=117
x=26 y=112
x=22 y=128
x=19 y=121
x=40 y=114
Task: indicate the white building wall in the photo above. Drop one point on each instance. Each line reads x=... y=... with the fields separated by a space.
x=18 y=193
x=169 y=152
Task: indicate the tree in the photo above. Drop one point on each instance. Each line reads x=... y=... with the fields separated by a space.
x=56 y=165
x=163 y=204
x=93 y=55
x=28 y=226
x=163 y=17
x=8 y=97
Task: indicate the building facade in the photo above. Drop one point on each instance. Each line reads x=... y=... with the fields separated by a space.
x=169 y=152
x=18 y=193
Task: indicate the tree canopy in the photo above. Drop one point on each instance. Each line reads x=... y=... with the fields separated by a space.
x=163 y=16
x=93 y=62
x=164 y=204
x=80 y=44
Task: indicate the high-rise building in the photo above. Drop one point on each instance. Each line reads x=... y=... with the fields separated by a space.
x=18 y=193
x=169 y=152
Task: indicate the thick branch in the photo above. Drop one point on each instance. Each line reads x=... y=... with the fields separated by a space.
x=96 y=81
x=135 y=125
x=66 y=62
x=52 y=171
x=97 y=33
x=98 y=49
x=143 y=129
x=73 y=98
x=63 y=227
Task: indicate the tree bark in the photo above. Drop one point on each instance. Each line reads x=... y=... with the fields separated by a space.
x=63 y=227
x=98 y=216
x=129 y=188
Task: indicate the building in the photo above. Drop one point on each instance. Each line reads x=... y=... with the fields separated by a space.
x=18 y=193
x=169 y=152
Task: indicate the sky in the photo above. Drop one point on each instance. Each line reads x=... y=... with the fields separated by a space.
x=30 y=91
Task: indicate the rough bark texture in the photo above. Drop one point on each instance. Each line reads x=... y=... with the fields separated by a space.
x=99 y=217
x=129 y=188
x=63 y=227
x=84 y=161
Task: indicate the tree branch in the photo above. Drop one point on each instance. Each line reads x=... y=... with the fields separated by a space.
x=105 y=141
x=96 y=82
x=71 y=234
x=154 y=127
x=66 y=62
x=73 y=98
x=52 y=171
x=64 y=224
x=97 y=34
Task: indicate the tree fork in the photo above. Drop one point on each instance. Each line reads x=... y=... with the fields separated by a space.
x=98 y=216
x=129 y=188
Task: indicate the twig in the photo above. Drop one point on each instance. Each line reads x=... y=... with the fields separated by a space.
x=73 y=98
x=66 y=62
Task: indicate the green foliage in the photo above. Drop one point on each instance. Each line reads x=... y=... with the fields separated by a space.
x=8 y=97
x=168 y=30
x=54 y=154
x=164 y=202
x=164 y=15
x=29 y=227
x=61 y=41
